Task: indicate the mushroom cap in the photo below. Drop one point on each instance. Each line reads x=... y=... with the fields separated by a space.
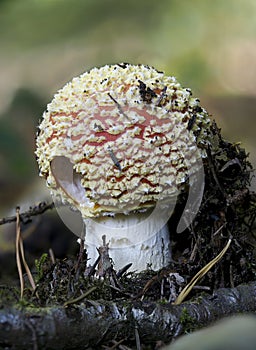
x=120 y=138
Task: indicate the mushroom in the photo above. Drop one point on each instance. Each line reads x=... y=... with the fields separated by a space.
x=119 y=143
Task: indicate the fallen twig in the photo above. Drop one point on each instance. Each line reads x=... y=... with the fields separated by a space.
x=25 y=216
x=91 y=326
x=81 y=297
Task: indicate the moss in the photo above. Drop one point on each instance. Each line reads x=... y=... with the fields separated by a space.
x=9 y=295
x=39 y=264
x=189 y=323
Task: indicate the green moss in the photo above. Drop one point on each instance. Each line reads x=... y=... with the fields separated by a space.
x=188 y=322
x=39 y=264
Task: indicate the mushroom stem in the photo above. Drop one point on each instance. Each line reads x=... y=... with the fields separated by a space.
x=134 y=238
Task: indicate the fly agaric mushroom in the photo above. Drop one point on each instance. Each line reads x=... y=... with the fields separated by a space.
x=119 y=143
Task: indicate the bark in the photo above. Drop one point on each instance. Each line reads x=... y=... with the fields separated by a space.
x=91 y=324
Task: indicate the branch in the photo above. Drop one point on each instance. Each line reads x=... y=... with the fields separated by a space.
x=33 y=211
x=93 y=323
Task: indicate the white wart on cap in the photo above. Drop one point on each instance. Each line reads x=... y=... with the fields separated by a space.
x=115 y=142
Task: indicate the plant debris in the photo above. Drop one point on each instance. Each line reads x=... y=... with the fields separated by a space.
x=227 y=212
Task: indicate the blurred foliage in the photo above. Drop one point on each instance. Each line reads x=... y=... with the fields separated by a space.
x=175 y=34
x=59 y=19
x=17 y=134
x=185 y=38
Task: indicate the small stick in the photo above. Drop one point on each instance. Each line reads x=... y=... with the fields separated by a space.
x=52 y=257
x=137 y=338
x=120 y=291
x=211 y=166
x=114 y=159
x=206 y=288
x=219 y=229
x=116 y=344
x=193 y=253
x=123 y=270
x=90 y=271
x=119 y=107
x=81 y=297
x=80 y=254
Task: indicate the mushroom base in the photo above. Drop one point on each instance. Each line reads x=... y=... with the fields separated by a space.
x=135 y=238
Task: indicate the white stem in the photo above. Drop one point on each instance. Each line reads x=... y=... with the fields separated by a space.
x=140 y=239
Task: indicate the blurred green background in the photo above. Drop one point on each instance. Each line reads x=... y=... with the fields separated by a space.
x=210 y=46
